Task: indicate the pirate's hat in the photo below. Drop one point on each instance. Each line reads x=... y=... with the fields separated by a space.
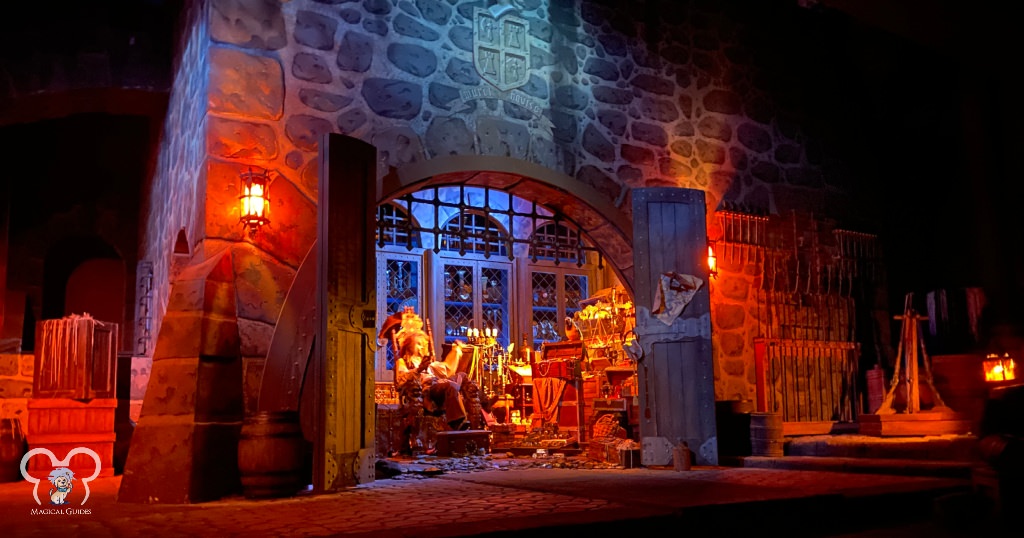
x=392 y=324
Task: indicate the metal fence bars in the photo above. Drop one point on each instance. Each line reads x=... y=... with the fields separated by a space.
x=807 y=380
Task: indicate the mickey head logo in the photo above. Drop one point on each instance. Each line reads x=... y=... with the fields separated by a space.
x=62 y=463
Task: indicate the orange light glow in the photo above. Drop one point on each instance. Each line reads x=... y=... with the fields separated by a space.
x=254 y=201
x=999 y=368
x=712 y=261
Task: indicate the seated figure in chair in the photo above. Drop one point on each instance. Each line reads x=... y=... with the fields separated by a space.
x=427 y=386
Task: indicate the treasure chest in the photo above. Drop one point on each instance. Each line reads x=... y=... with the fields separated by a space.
x=616 y=451
x=560 y=359
x=466 y=442
x=556 y=368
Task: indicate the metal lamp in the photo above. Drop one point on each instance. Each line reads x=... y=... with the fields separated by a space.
x=254 y=200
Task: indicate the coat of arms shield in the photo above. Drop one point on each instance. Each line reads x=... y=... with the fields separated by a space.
x=501 y=50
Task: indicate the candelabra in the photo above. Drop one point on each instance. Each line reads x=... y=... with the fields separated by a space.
x=491 y=372
x=488 y=338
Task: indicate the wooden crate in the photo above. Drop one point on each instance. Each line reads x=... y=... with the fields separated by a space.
x=563 y=369
x=62 y=424
x=464 y=442
x=75 y=357
x=388 y=434
x=503 y=435
x=607 y=450
x=629 y=457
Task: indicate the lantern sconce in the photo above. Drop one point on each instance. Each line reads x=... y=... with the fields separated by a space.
x=712 y=260
x=999 y=368
x=254 y=200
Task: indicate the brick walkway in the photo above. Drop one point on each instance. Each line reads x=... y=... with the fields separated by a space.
x=466 y=503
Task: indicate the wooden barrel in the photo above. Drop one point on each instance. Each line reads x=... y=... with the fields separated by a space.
x=766 y=434
x=876 y=388
x=12 y=448
x=732 y=420
x=271 y=455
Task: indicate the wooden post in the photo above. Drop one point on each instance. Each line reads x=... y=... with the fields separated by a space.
x=910 y=358
x=913 y=398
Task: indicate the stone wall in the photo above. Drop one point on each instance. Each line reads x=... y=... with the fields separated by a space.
x=16 y=375
x=618 y=97
x=15 y=385
x=174 y=190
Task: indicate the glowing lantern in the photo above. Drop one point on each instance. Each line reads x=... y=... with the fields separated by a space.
x=712 y=261
x=254 y=200
x=999 y=368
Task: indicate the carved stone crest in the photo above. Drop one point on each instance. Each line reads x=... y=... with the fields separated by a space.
x=501 y=49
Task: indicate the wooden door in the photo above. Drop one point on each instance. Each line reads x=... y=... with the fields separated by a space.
x=346 y=306
x=677 y=393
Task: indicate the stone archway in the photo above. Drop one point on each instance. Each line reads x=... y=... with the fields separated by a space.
x=608 y=225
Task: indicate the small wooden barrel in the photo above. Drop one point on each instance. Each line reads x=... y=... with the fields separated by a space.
x=271 y=455
x=875 y=378
x=766 y=434
x=12 y=448
x=732 y=420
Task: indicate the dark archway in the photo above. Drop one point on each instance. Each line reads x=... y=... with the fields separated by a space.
x=63 y=258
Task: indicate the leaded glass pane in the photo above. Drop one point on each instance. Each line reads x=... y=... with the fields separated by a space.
x=458 y=301
x=402 y=283
x=545 y=308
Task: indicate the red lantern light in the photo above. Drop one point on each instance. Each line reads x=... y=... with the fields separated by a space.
x=254 y=200
x=712 y=261
x=999 y=368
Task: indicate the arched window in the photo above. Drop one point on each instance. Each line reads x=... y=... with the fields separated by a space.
x=395 y=227
x=555 y=241
x=473 y=233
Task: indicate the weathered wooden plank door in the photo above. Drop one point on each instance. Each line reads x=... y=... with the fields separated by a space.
x=677 y=392
x=343 y=352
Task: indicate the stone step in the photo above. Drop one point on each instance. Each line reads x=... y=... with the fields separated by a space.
x=888 y=466
x=925 y=448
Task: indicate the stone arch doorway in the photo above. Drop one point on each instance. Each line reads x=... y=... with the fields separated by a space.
x=321 y=360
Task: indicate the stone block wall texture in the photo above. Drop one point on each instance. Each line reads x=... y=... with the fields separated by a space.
x=174 y=200
x=15 y=385
x=16 y=374
x=617 y=96
x=192 y=413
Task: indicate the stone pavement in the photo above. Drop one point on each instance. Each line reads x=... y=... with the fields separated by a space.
x=510 y=499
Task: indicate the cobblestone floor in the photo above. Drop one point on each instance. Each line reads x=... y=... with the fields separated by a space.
x=469 y=497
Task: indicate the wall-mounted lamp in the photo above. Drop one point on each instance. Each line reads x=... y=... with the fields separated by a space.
x=712 y=261
x=254 y=200
x=999 y=368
